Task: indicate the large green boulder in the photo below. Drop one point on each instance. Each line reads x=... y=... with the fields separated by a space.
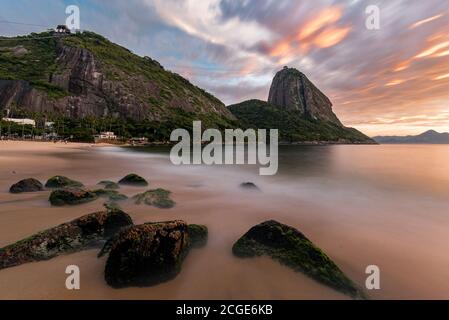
x=71 y=196
x=290 y=247
x=146 y=254
x=62 y=182
x=85 y=232
x=26 y=185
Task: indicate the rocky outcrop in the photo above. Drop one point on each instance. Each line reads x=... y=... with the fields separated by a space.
x=146 y=254
x=71 y=196
x=100 y=79
x=292 y=90
x=133 y=179
x=292 y=248
x=26 y=185
x=82 y=233
x=62 y=182
x=159 y=198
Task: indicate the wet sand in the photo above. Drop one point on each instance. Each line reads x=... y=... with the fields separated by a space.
x=409 y=247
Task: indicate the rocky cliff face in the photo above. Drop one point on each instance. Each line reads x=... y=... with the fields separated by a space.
x=292 y=90
x=85 y=75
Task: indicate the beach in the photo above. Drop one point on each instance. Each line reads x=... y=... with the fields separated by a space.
x=408 y=241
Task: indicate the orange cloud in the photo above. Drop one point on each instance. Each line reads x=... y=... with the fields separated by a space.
x=441 y=77
x=433 y=49
x=331 y=37
x=424 y=21
x=394 y=82
x=324 y=18
x=280 y=49
x=319 y=31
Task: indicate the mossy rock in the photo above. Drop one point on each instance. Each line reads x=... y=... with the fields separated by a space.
x=292 y=248
x=198 y=235
x=133 y=179
x=112 y=195
x=159 y=198
x=86 y=232
x=71 y=196
x=146 y=255
x=62 y=182
x=26 y=185
x=110 y=185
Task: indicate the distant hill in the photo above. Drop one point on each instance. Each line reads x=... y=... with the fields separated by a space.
x=430 y=137
x=293 y=126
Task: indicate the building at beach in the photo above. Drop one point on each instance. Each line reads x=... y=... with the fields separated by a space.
x=21 y=121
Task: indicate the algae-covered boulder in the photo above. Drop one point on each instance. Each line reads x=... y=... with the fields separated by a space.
x=198 y=235
x=292 y=248
x=85 y=232
x=62 y=182
x=112 y=195
x=133 y=179
x=26 y=185
x=107 y=184
x=146 y=254
x=159 y=198
x=71 y=196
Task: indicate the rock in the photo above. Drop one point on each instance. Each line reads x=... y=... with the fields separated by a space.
x=62 y=182
x=82 y=233
x=133 y=180
x=292 y=90
x=26 y=185
x=71 y=196
x=159 y=198
x=107 y=184
x=147 y=254
x=249 y=186
x=198 y=235
x=292 y=248
x=112 y=195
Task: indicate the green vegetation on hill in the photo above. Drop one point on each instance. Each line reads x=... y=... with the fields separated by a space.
x=292 y=126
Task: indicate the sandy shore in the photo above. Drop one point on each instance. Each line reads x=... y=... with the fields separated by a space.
x=352 y=239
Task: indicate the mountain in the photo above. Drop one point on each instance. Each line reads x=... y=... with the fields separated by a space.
x=85 y=76
x=292 y=90
x=430 y=137
x=301 y=112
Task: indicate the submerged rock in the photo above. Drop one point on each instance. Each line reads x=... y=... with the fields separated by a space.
x=159 y=198
x=62 y=182
x=292 y=248
x=133 y=180
x=71 y=196
x=82 y=233
x=198 y=235
x=26 y=185
x=147 y=254
x=107 y=184
x=249 y=186
x=112 y=195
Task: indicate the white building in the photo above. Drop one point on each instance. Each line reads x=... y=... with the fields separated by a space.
x=108 y=135
x=21 y=121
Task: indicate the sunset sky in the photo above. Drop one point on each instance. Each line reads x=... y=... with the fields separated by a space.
x=389 y=81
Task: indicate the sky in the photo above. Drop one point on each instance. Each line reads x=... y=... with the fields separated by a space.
x=391 y=80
